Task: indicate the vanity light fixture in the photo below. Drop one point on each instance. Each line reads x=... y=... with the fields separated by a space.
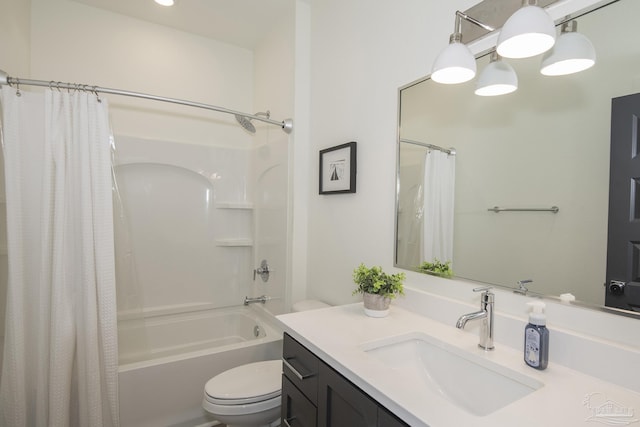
x=572 y=53
x=530 y=31
x=455 y=63
x=498 y=78
x=165 y=2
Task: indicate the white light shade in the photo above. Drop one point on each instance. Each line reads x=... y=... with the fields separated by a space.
x=498 y=78
x=165 y=2
x=572 y=53
x=455 y=64
x=528 y=32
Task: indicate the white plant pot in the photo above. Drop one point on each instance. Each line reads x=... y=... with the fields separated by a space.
x=376 y=305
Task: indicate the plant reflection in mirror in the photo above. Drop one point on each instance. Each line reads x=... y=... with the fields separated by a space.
x=437 y=268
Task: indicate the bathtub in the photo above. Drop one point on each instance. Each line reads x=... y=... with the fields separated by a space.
x=161 y=382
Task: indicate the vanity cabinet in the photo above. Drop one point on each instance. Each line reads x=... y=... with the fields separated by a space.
x=315 y=395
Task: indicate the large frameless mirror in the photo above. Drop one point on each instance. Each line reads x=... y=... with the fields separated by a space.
x=531 y=176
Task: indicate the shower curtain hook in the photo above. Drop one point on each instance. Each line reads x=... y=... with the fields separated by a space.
x=95 y=91
x=18 y=93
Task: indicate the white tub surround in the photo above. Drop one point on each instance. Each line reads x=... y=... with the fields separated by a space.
x=567 y=398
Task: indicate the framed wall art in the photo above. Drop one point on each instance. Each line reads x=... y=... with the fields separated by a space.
x=338 y=169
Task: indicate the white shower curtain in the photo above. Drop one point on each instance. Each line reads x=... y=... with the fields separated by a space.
x=439 y=186
x=60 y=355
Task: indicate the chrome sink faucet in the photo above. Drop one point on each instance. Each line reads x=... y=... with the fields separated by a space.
x=485 y=314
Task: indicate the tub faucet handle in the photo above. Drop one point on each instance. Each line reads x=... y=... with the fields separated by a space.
x=522 y=288
x=263 y=271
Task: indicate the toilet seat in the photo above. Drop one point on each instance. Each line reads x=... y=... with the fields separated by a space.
x=239 y=410
x=247 y=384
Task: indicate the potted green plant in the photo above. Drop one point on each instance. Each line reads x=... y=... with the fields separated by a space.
x=436 y=268
x=377 y=288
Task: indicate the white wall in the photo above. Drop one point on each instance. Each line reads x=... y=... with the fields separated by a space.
x=14 y=31
x=111 y=50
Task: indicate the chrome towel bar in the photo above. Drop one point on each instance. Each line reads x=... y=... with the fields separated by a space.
x=497 y=209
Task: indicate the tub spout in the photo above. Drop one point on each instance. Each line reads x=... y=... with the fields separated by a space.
x=263 y=299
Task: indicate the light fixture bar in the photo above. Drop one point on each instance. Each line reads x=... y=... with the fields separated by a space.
x=473 y=21
x=493 y=13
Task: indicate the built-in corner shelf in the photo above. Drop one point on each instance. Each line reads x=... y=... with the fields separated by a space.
x=234 y=205
x=233 y=242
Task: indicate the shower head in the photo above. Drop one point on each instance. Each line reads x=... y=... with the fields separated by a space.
x=245 y=122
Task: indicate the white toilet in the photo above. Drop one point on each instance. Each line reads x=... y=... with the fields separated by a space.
x=249 y=395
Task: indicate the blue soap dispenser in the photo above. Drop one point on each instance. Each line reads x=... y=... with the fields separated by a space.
x=536 y=337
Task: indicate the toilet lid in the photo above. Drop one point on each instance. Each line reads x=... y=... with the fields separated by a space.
x=249 y=383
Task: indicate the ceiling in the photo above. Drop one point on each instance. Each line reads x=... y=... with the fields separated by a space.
x=239 y=22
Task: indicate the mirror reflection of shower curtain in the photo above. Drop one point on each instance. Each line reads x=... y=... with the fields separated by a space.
x=60 y=364
x=439 y=188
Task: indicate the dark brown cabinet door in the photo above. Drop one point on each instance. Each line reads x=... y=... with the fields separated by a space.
x=387 y=419
x=342 y=404
x=296 y=410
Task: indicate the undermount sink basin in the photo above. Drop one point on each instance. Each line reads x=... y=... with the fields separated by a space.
x=471 y=382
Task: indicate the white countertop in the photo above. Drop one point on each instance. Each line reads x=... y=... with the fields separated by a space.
x=337 y=334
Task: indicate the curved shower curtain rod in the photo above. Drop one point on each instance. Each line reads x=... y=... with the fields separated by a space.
x=5 y=79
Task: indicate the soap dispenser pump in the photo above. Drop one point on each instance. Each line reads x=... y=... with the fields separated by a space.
x=536 y=337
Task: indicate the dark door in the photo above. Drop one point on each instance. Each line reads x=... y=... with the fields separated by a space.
x=622 y=285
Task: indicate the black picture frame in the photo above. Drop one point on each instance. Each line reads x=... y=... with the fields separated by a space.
x=338 y=169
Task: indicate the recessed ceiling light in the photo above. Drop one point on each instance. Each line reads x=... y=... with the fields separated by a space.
x=165 y=2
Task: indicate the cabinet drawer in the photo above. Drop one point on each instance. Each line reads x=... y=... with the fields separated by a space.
x=297 y=410
x=300 y=366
